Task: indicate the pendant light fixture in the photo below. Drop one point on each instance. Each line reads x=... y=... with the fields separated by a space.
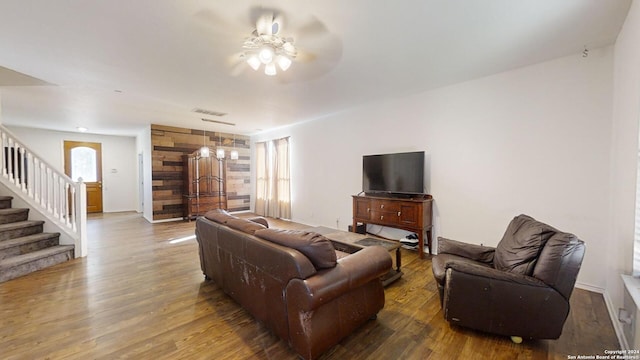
x=220 y=150
x=204 y=150
x=234 y=153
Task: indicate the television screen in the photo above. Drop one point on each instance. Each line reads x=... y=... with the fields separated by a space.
x=393 y=173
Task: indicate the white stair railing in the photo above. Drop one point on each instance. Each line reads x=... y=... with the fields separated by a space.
x=52 y=193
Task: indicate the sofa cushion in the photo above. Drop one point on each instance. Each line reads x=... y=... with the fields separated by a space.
x=521 y=244
x=260 y=220
x=317 y=248
x=219 y=215
x=244 y=225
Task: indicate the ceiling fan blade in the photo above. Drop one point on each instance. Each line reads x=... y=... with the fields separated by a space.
x=237 y=63
x=218 y=23
x=326 y=49
x=304 y=56
x=310 y=28
x=315 y=58
x=314 y=43
x=235 y=58
x=238 y=69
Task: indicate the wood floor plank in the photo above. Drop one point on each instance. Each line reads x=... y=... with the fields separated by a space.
x=137 y=295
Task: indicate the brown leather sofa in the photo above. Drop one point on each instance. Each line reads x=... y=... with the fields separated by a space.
x=294 y=282
x=520 y=289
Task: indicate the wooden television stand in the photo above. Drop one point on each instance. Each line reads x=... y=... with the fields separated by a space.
x=411 y=214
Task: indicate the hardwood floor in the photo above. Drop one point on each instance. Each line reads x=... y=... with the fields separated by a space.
x=140 y=296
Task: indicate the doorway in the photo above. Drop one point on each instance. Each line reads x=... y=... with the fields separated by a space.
x=84 y=160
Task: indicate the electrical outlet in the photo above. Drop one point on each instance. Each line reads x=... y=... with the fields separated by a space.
x=624 y=316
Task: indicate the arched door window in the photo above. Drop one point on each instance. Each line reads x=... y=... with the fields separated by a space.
x=84 y=164
x=84 y=160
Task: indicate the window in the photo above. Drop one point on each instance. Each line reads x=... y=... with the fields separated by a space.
x=273 y=183
x=83 y=164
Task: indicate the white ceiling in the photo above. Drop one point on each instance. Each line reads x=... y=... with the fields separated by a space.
x=117 y=66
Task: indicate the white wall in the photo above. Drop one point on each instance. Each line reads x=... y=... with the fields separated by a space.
x=626 y=114
x=143 y=143
x=534 y=140
x=119 y=189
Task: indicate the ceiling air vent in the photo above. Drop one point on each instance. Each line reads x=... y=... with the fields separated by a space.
x=209 y=112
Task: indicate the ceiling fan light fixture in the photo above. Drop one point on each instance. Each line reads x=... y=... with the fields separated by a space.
x=266 y=45
x=254 y=62
x=270 y=69
x=289 y=48
x=284 y=62
x=266 y=54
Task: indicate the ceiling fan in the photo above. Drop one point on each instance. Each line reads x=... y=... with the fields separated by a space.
x=267 y=45
x=274 y=42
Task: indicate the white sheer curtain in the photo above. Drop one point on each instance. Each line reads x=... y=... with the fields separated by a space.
x=262 y=179
x=283 y=182
x=273 y=182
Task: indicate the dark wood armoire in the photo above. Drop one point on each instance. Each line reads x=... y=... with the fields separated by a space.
x=204 y=185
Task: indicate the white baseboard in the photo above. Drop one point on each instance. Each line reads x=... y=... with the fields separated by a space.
x=617 y=326
x=165 y=220
x=613 y=313
x=240 y=211
x=589 y=287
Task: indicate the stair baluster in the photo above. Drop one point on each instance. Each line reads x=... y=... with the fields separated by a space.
x=48 y=190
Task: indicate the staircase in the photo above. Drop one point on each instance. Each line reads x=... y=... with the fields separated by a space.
x=24 y=247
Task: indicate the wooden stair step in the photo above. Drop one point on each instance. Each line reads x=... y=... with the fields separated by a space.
x=20 y=265
x=26 y=244
x=20 y=228
x=5 y=202
x=13 y=215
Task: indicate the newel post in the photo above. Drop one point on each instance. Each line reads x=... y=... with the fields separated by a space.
x=81 y=208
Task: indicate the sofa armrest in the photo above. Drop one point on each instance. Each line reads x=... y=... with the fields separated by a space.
x=350 y=273
x=474 y=252
x=503 y=303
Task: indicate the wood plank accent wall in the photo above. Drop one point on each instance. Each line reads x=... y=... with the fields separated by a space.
x=170 y=143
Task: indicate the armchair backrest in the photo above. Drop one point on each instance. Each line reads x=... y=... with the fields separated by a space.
x=559 y=262
x=533 y=248
x=521 y=245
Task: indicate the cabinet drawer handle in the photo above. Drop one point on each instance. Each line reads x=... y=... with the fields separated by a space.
x=368 y=209
x=382 y=206
x=398 y=213
x=382 y=217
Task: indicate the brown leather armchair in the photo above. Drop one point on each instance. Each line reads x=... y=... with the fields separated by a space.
x=520 y=289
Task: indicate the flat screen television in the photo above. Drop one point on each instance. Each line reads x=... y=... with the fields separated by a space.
x=399 y=173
